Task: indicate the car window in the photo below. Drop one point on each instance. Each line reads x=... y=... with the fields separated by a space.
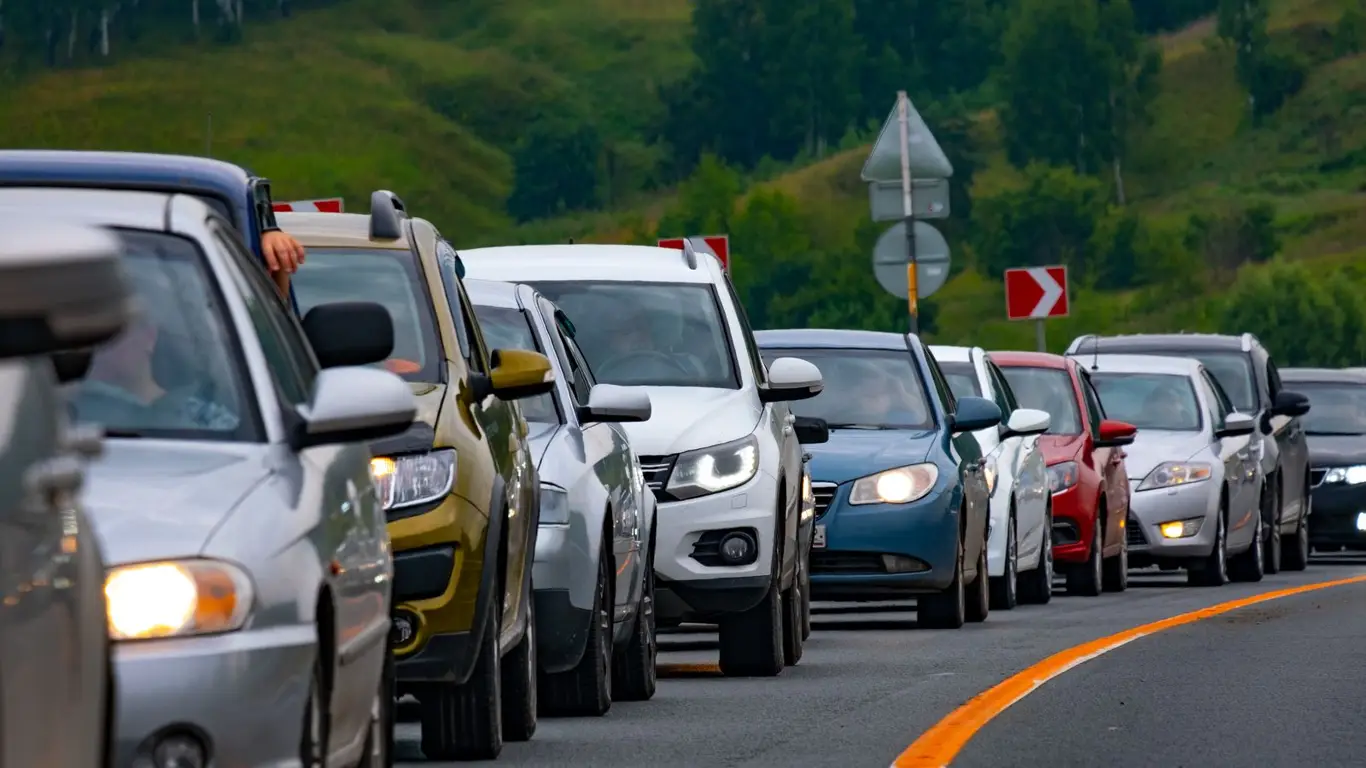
x=941 y=386
x=581 y=379
x=1217 y=404
x=509 y=328
x=1003 y=390
x=446 y=259
x=751 y=347
x=390 y=277
x=1150 y=401
x=177 y=370
x=1335 y=408
x=962 y=379
x=1049 y=390
x=660 y=334
x=1273 y=378
x=864 y=389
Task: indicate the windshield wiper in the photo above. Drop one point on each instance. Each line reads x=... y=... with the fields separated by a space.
x=1333 y=434
x=858 y=426
x=123 y=433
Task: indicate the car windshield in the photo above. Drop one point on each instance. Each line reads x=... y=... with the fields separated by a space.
x=864 y=389
x=1232 y=370
x=389 y=277
x=1335 y=408
x=1149 y=400
x=962 y=378
x=652 y=334
x=1049 y=390
x=176 y=371
x=507 y=328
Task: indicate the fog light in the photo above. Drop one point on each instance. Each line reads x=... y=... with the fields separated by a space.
x=179 y=751
x=737 y=548
x=403 y=631
x=902 y=564
x=1361 y=521
x=1181 y=529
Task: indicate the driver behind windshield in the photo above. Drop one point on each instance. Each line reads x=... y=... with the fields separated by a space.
x=1166 y=409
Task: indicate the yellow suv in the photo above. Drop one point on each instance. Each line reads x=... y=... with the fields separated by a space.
x=460 y=488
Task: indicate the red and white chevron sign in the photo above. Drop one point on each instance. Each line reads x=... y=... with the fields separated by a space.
x=1035 y=293
x=325 y=205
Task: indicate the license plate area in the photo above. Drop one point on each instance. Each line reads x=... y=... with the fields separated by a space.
x=818 y=539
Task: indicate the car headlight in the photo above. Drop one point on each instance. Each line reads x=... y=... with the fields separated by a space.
x=990 y=472
x=895 y=486
x=554 y=505
x=1350 y=475
x=1173 y=473
x=1181 y=529
x=414 y=479
x=1063 y=475
x=715 y=469
x=176 y=599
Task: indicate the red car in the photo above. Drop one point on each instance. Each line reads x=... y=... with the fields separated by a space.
x=1085 y=458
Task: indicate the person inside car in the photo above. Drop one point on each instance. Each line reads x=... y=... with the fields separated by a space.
x=283 y=255
x=880 y=400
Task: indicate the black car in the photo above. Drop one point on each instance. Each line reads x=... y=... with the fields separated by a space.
x=1248 y=374
x=1336 y=431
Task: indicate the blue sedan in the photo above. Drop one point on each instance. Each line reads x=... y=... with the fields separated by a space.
x=901 y=486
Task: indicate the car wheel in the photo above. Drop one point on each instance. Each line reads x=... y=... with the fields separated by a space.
x=464 y=722
x=586 y=690
x=1249 y=565
x=948 y=609
x=1296 y=556
x=752 y=642
x=379 y=743
x=635 y=677
x=317 y=721
x=1003 y=594
x=1087 y=579
x=1036 y=586
x=1115 y=570
x=806 y=596
x=1213 y=572
x=979 y=593
x=1272 y=537
x=519 y=680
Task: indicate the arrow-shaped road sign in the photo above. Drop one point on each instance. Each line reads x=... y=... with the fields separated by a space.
x=1035 y=293
x=927 y=159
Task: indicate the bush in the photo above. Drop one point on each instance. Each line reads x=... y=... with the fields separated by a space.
x=1304 y=319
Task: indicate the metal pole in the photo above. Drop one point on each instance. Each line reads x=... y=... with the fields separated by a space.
x=903 y=109
x=1040 y=335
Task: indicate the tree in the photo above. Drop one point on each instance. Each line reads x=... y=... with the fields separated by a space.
x=1134 y=65
x=555 y=166
x=1303 y=319
x=810 y=56
x=1050 y=220
x=1243 y=24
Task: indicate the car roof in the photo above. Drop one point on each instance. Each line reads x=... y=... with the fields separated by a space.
x=1181 y=366
x=492 y=293
x=337 y=230
x=1011 y=358
x=20 y=166
x=1150 y=341
x=1324 y=375
x=587 y=262
x=123 y=208
x=829 y=338
x=948 y=353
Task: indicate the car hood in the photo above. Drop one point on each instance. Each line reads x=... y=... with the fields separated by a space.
x=854 y=453
x=687 y=418
x=152 y=500
x=1059 y=448
x=538 y=437
x=429 y=398
x=1337 y=450
x=1154 y=446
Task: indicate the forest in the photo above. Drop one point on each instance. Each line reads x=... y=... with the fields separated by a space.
x=1197 y=164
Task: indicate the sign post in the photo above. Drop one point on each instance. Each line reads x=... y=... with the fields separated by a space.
x=908 y=208
x=716 y=245
x=1036 y=293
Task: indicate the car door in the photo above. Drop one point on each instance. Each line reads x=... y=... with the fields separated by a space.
x=1294 y=451
x=968 y=452
x=1028 y=470
x=1236 y=455
x=1109 y=462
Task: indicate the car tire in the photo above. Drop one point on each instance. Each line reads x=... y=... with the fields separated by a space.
x=1004 y=596
x=1088 y=579
x=751 y=643
x=1036 y=585
x=635 y=677
x=806 y=596
x=948 y=609
x=1115 y=570
x=1295 y=557
x=317 y=721
x=586 y=690
x=1272 y=554
x=519 y=681
x=792 y=621
x=1213 y=572
x=379 y=744
x=1250 y=565
x=465 y=722
x=979 y=592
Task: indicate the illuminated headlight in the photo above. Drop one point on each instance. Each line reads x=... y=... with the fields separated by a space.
x=554 y=505
x=1349 y=475
x=895 y=486
x=1063 y=475
x=418 y=478
x=1170 y=474
x=176 y=599
x=715 y=469
x=1181 y=529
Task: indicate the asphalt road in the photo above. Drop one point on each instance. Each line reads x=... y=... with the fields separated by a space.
x=1279 y=683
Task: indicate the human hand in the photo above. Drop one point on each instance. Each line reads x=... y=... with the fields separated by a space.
x=282 y=252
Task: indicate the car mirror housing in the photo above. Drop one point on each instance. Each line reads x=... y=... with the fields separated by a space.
x=349 y=333
x=354 y=404
x=612 y=403
x=1236 y=424
x=1115 y=433
x=975 y=413
x=791 y=378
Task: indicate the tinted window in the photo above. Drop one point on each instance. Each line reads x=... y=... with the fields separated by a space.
x=386 y=276
x=962 y=379
x=176 y=371
x=1233 y=371
x=450 y=280
x=1150 y=400
x=669 y=335
x=1334 y=408
x=1049 y=390
x=506 y=328
x=864 y=389
x=1003 y=391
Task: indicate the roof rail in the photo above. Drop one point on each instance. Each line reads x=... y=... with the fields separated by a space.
x=1249 y=341
x=689 y=253
x=1075 y=346
x=387 y=213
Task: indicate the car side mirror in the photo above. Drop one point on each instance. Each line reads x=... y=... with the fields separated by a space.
x=62 y=287
x=1290 y=404
x=811 y=430
x=1115 y=434
x=975 y=413
x=1236 y=424
x=519 y=373
x=612 y=403
x=1024 y=422
x=349 y=333
x=791 y=378
x=354 y=404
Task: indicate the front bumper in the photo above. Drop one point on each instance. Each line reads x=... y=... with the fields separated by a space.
x=242 y=695
x=1148 y=510
x=860 y=540
x=1073 y=526
x=1337 y=508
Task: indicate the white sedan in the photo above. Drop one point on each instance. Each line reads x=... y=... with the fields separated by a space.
x=1019 y=543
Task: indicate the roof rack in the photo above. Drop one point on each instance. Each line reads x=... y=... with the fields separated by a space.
x=387 y=213
x=1075 y=346
x=1249 y=341
x=689 y=253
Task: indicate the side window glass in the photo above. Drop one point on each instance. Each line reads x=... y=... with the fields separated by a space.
x=1273 y=378
x=1216 y=410
x=477 y=357
x=751 y=349
x=999 y=393
x=1003 y=387
x=450 y=280
x=1093 y=406
x=941 y=384
x=571 y=357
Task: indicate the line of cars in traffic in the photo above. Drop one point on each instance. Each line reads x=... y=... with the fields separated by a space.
x=487 y=478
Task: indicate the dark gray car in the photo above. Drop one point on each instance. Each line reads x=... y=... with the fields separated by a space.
x=1336 y=431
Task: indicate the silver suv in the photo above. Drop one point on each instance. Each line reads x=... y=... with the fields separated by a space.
x=61 y=288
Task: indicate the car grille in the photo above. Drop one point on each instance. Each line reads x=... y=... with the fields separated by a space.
x=1134 y=531
x=1316 y=477
x=824 y=493
x=656 y=470
x=829 y=561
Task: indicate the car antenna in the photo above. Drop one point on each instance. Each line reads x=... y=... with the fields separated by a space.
x=1095 y=352
x=571 y=241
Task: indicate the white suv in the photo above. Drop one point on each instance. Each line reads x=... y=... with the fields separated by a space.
x=720 y=451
